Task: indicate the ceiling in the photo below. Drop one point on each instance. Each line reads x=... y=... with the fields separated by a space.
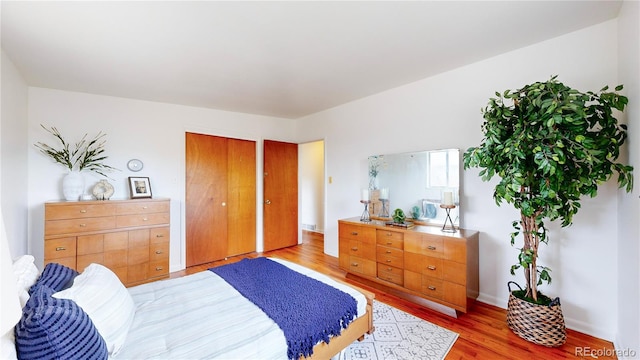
x=285 y=59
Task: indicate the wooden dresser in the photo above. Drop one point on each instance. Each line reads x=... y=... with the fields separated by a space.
x=131 y=237
x=421 y=261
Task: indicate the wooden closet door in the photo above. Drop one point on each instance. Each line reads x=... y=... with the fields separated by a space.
x=206 y=198
x=280 y=194
x=241 y=196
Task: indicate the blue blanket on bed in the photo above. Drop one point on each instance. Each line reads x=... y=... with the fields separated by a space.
x=307 y=310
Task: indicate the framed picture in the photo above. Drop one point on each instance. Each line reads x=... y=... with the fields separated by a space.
x=140 y=187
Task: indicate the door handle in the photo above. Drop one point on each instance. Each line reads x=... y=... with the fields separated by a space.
x=268 y=202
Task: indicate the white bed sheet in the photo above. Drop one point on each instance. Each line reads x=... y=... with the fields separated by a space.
x=201 y=316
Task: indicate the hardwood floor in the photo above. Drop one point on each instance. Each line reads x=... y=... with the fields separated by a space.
x=483 y=330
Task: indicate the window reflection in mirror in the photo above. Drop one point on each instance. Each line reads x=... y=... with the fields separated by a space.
x=416 y=183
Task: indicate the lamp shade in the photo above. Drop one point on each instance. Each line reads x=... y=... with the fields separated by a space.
x=10 y=309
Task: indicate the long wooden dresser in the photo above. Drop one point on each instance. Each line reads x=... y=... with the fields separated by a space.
x=130 y=237
x=421 y=261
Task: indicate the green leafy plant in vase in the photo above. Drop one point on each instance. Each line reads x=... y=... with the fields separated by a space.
x=87 y=154
x=550 y=145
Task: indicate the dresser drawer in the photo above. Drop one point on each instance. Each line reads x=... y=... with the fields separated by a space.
x=389 y=256
x=432 y=287
x=390 y=238
x=142 y=207
x=357 y=248
x=60 y=248
x=362 y=266
x=159 y=252
x=71 y=226
x=356 y=232
x=390 y=273
x=159 y=268
x=423 y=264
x=159 y=235
x=77 y=210
x=123 y=221
x=424 y=244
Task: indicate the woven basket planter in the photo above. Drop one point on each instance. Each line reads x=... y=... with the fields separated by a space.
x=539 y=324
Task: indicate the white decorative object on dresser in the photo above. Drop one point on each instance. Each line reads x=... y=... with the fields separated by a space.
x=130 y=237
x=103 y=190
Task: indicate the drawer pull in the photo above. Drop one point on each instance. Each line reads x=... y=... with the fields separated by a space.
x=433 y=288
x=389 y=269
x=158 y=252
x=354 y=233
x=389 y=234
x=431 y=247
x=389 y=243
x=83 y=211
x=83 y=225
x=354 y=248
x=145 y=219
x=388 y=251
x=159 y=235
x=354 y=264
x=61 y=248
x=388 y=260
x=144 y=207
x=159 y=268
x=431 y=267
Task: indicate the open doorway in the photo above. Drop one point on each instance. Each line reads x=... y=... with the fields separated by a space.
x=312 y=188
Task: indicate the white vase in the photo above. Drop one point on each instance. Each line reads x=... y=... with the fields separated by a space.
x=73 y=186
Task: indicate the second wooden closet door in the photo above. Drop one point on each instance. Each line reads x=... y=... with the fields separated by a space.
x=220 y=197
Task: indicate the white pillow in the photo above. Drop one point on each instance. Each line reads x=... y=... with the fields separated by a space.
x=26 y=274
x=99 y=292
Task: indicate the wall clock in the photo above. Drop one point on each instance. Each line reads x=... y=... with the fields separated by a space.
x=134 y=165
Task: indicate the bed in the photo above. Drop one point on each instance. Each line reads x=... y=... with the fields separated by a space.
x=198 y=316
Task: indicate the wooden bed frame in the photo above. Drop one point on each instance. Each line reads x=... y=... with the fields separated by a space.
x=355 y=331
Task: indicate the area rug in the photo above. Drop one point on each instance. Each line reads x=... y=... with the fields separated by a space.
x=399 y=335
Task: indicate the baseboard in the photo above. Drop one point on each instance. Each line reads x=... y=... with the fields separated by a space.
x=492 y=300
x=317 y=231
x=585 y=328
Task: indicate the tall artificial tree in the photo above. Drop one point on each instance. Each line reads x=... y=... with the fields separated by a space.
x=549 y=144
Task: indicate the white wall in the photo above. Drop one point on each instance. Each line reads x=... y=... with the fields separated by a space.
x=444 y=112
x=151 y=132
x=311 y=175
x=628 y=316
x=13 y=156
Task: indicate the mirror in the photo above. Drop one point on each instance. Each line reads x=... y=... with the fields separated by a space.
x=416 y=182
